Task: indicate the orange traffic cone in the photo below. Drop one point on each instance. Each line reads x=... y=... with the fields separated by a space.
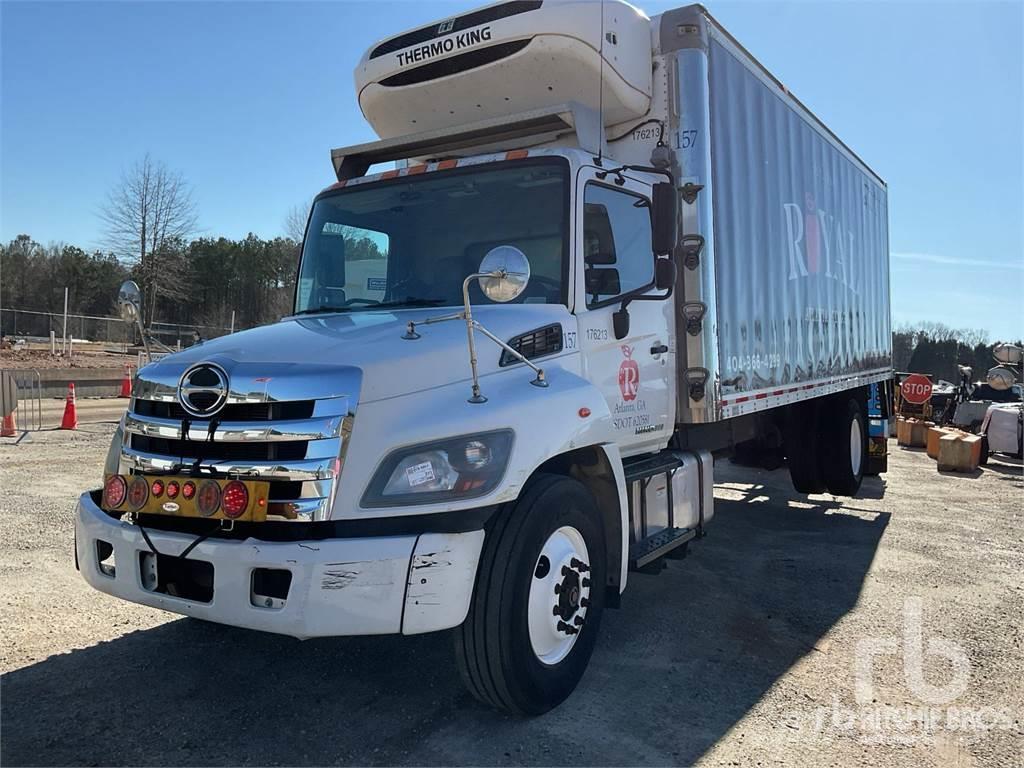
x=10 y=425
x=126 y=382
x=70 y=420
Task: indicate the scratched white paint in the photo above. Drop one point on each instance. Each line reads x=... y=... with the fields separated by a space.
x=339 y=586
x=441 y=579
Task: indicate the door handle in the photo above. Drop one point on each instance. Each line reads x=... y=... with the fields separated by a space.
x=659 y=349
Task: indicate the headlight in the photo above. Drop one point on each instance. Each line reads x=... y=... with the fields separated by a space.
x=457 y=468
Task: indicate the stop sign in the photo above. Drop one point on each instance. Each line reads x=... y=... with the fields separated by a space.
x=916 y=389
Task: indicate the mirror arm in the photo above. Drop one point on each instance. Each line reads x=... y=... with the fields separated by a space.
x=648 y=297
x=468 y=314
x=540 y=381
x=154 y=340
x=145 y=339
x=643 y=169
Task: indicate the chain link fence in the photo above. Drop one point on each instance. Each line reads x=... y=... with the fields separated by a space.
x=36 y=326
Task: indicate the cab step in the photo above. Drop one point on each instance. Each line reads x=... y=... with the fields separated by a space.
x=658 y=545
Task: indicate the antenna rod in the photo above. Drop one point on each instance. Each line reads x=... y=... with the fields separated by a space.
x=600 y=90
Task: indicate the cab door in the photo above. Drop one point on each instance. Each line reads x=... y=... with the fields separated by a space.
x=636 y=373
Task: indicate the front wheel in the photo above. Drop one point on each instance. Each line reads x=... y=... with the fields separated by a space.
x=534 y=617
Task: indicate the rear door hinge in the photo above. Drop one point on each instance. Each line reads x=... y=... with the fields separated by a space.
x=689 y=192
x=689 y=250
x=693 y=313
x=696 y=382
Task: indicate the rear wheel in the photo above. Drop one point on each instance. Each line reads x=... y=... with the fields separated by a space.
x=802 y=443
x=845 y=450
x=539 y=595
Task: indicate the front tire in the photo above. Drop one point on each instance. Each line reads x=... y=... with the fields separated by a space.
x=539 y=595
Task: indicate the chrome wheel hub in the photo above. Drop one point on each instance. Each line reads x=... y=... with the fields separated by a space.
x=559 y=595
x=856 y=447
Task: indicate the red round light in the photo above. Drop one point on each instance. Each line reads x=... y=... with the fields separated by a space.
x=114 y=491
x=188 y=490
x=158 y=487
x=208 y=498
x=235 y=499
x=172 y=489
x=138 y=492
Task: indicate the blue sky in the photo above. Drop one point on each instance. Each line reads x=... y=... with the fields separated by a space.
x=246 y=99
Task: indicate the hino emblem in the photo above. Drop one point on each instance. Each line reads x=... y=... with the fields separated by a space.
x=203 y=390
x=445 y=27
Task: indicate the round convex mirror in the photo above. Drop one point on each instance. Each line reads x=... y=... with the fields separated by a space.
x=129 y=300
x=507 y=273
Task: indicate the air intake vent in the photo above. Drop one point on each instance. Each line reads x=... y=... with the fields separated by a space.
x=474 y=19
x=286 y=410
x=543 y=341
x=455 y=64
x=218 y=451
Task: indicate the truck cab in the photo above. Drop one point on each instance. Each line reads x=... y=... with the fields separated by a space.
x=503 y=378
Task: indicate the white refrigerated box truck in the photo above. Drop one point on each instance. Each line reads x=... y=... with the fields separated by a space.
x=603 y=249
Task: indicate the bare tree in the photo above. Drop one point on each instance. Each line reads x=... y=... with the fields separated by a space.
x=149 y=211
x=974 y=337
x=295 y=222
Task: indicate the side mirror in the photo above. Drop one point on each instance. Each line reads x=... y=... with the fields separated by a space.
x=664 y=274
x=620 y=323
x=602 y=281
x=129 y=301
x=664 y=204
x=129 y=305
x=504 y=273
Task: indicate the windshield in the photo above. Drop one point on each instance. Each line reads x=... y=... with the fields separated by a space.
x=411 y=242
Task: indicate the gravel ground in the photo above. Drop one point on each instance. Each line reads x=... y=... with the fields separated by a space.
x=744 y=653
x=103 y=356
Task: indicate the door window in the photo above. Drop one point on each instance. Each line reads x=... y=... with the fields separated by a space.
x=617 y=244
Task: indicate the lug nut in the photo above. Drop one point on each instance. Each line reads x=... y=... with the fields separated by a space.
x=566 y=570
x=558 y=588
x=555 y=611
x=577 y=621
x=585 y=582
x=584 y=602
x=579 y=565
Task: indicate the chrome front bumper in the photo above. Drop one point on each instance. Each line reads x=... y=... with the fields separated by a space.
x=405 y=584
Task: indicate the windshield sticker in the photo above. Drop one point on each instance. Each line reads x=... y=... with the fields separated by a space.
x=376 y=283
x=305 y=291
x=418 y=474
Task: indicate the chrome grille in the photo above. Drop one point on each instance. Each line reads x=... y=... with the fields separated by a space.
x=298 y=446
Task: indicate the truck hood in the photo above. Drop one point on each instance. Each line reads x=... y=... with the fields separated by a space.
x=330 y=355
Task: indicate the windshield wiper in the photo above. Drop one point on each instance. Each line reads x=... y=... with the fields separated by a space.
x=321 y=310
x=367 y=305
x=409 y=303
